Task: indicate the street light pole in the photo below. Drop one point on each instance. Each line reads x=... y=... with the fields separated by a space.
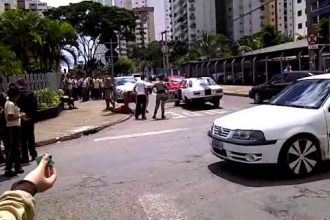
x=311 y=52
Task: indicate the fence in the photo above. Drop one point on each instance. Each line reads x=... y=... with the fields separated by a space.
x=38 y=83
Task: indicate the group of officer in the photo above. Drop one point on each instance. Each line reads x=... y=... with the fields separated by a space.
x=142 y=99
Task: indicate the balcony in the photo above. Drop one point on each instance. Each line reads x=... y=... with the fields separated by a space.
x=192 y=17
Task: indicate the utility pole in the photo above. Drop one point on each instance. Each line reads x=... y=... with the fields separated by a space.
x=311 y=52
x=165 y=51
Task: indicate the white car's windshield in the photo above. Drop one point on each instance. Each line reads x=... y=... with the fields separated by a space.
x=305 y=94
x=206 y=81
x=123 y=81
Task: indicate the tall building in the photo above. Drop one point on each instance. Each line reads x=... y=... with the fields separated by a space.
x=6 y=5
x=145 y=26
x=320 y=8
x=32 y=5
x=103 y=2
x=244 y=18
x=168 y=19
x=124 y=4
x=285 y=17
x=192 y=18
x=139 y=3
x=300 y=18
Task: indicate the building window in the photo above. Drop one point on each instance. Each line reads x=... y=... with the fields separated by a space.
x=299 y=13
x=300 y=26
x=298 y=1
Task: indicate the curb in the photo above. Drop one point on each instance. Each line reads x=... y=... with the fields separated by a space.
x=236 y=94
x=80 y=133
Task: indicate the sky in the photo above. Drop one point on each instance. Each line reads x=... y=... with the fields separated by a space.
x=157 y=4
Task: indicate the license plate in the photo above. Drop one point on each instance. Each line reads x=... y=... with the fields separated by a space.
x=218 y=144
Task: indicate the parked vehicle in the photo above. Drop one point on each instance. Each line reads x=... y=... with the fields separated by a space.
x=279 y=82
x=124 y=84
x=203 y=89
x=292 y=131
x=173 y=82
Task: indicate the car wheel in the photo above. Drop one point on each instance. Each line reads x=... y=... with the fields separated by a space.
x=300 y=157
x=187 y=101
x=216 y=103
x=177 y=103
x=257 y=98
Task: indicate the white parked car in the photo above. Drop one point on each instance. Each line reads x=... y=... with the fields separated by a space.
x=124 y=84
x=292 y=131
x=203 y=89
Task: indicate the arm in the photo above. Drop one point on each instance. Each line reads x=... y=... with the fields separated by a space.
x=18 y=204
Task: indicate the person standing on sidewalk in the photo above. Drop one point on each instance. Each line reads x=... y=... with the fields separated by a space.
x=13 y=122
x=3 y=129
x=141 y=98
x=107 y=92
x=27 y=103
x=160 y=89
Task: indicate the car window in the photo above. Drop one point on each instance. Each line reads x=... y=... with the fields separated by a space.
x=176 y=81
x=278 y=79
x=292 y=77
x=304 y=94
x=207 y=81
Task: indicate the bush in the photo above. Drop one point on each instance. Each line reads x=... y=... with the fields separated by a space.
x=47 y=99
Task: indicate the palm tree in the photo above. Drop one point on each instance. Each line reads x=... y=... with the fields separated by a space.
x=8 y=62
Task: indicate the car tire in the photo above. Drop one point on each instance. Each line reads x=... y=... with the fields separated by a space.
x=187 y=101
x=216 y=103
x=300 y=156
x=177 y=103
x=257 y=98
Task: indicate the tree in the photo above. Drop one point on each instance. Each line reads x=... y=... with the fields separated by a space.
x=37 y=42
x=323 y=29
x=8 y=62
x=272 y=37
x=214 y=46
x=95 y=24
x=124 y=65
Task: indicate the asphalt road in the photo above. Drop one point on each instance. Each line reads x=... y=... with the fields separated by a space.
x=157 y=170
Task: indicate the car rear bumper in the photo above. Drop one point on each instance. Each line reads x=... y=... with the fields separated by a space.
x=206 y=98
x=250 y=154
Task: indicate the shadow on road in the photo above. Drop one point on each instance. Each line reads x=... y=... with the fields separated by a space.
x=262 y=175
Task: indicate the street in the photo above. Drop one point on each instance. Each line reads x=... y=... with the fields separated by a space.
x=164 y=170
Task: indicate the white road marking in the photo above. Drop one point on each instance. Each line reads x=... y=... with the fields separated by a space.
x=160 y=207
x=176 y=115
x=191 y=114
x=140 y=134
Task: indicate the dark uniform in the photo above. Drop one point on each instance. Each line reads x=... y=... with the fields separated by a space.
x=28 y=104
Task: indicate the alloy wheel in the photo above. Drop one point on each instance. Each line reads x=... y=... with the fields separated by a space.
x=302 y=157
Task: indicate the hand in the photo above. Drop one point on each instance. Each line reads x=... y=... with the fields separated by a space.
x=43 y=177
x=22 y=115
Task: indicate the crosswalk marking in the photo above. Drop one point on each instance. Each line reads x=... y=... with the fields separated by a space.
x=181 y=115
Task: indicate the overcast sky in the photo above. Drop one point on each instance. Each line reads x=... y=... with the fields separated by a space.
x=157 y=4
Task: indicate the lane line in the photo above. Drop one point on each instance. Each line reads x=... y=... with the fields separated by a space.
x=160 y=207
x=141 y=134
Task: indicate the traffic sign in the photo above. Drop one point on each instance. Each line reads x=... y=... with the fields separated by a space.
x=312 y=38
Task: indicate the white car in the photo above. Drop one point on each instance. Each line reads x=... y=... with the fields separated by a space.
x=124 y=84
x=203 y=89
x=292 y=131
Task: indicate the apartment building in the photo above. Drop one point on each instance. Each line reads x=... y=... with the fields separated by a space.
x=103 y=2
x=243 y=18
x=124 y=4
x=300 y=18
x=320 y=8
x=192 y=18
x=168 y=19
x=32 y=5
x=6 y=5
x=145 y=26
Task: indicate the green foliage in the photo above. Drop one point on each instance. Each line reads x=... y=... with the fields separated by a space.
x=323 y=29
x=95 y=24
x=37 y=42
x=47 y=99
x=124 y=65
x=8 y=62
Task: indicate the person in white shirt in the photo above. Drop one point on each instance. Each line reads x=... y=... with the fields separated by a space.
x=141 y=98
x=13 y=122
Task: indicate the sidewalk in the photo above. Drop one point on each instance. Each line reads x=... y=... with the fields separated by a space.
x=237 y=90
x=70 y=124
